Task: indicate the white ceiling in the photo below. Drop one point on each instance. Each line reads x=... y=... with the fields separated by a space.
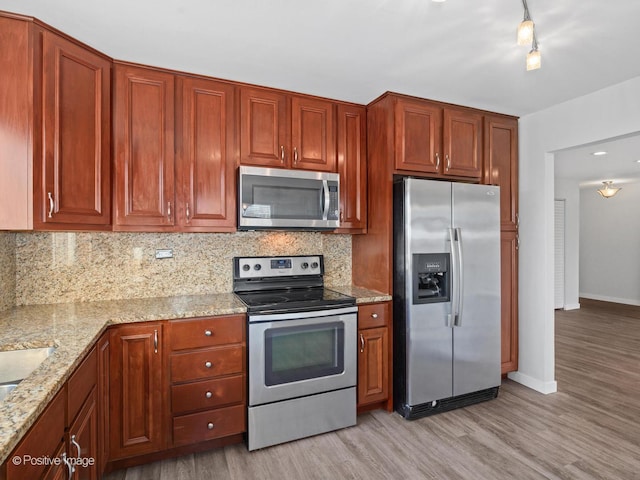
x=460 y=51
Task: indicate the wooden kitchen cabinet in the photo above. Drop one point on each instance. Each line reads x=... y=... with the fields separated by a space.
x=437 y=140
x=374 y=356
x=352 y=167
x=286 y=131
x=55 y=109
x=144 y=160
x=208 y=376
x=137 y=390
x=509 y=299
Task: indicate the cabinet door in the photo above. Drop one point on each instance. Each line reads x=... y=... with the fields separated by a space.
x=137 y=391
x=104 y=365
x=501 y=165
x=76 y=186
x=509 y=299
x=264 y=128
x=352 y=167
x=462 y=134
x=144 y=157
x=206 y=155
x=373 y=365
x=313 y=135
x=83 y=440
x=418 y=136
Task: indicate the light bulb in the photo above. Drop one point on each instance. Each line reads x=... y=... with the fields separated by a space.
x=525 y=32
x=533 y=59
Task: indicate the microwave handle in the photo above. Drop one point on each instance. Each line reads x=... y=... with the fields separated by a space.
x=324 y=202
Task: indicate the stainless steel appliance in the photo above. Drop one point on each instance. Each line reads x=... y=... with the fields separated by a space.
x=446 y=295
x=302 y=349
x=275 y=198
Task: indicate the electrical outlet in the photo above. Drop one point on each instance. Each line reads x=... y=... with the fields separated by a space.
x=164 y=253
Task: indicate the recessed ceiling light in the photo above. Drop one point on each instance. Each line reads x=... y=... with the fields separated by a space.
x=597 y=154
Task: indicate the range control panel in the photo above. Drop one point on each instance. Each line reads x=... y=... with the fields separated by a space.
x=254 y=267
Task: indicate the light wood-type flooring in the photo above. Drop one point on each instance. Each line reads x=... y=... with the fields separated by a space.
x=590 y=429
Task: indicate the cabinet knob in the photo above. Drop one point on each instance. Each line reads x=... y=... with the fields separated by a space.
x=208 y=333
x=208 y=364
x=208 y=394
x=210 y=426
x=374 y=315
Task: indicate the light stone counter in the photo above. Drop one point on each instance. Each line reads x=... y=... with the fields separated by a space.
x=73 y=328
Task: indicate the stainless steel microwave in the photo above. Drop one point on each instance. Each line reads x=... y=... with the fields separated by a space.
x=280 y=199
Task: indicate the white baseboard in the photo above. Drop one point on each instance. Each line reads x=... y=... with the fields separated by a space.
x=604 y=298
x=572 y=306
x=534 y=383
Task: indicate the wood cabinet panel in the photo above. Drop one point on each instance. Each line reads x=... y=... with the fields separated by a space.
x=215 y=393
x=207 y=332
x=83 y=439
x=104 y=416
x=76 y=171
x=144 y=147
x=264 y=128
x=352 y=167
x=137 y=390
x=206 y=363
x=373 y=315
x=199 y=427
x=206 y=154
x=462 y=135
x=373 y=365
x=418 y=136
x=501 y=165
x=81 y=383
x=509 y=300
x=313 y=134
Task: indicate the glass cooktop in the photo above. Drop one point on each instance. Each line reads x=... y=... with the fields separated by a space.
x=294 y=300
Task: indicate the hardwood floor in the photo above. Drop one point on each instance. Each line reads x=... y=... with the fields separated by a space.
x=590 y=429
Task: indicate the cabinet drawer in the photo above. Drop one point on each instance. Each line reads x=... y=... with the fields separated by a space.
x=374 y=315
x=207 y=394
x=81 y=383
x=199 y=427
x=207 y=363
x=207 y=332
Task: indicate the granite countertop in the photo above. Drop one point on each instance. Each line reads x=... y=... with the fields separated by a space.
x=73 y=328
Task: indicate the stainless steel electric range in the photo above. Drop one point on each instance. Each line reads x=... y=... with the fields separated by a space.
x=302 y=349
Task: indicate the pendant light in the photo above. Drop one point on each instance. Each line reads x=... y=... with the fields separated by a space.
x=525 y=29
x=608 y=190
x=534 y=59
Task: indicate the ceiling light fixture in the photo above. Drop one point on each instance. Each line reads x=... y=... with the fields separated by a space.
x=608 y=190
x=526 y=35
x=597 y=154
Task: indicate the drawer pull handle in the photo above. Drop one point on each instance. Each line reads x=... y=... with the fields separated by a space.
x=210 y=426
x=374 y=315
x=208 y=394
x=208 y=333
x=208 y=364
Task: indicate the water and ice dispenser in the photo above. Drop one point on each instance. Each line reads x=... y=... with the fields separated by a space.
x=431 y=277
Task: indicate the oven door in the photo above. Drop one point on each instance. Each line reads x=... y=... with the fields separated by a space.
x=297 y=354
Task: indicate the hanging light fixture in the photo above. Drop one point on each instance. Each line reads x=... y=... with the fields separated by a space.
x=608 y=190
x=526 y=35
x=525 y=29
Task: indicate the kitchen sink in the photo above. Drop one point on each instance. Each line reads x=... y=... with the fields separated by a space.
x=18 y=364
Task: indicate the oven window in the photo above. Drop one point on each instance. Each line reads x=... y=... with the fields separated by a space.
x=303 y=352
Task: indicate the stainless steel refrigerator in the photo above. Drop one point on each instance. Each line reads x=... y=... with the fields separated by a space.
x=446 y=295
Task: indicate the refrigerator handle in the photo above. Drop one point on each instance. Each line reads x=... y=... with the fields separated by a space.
x=451 y=319
x=460 y=277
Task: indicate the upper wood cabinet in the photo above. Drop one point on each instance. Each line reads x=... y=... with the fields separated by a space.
x=143 y=147
x=501 y=165
x=437 y=140
x=194 y=190
x=352 y=167
x=206 y=163
x=55 y=109
x=283 y=131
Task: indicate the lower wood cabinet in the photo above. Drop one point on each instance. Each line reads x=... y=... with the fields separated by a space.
x=509 y=299
x=374 y=356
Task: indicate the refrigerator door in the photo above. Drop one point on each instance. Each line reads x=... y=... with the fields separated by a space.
x=427 y=214
x=476 y=332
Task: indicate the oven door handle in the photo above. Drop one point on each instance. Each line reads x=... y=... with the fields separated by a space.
x=324 y=202
x=319 y=314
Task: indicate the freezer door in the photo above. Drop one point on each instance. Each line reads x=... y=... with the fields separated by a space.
x=476 y=332
x=427 y=213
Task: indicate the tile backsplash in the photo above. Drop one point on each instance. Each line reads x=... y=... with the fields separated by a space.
x=7 y=270
x=68 y=267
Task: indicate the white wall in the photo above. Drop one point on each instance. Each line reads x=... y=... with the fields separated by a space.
x=569 y=191
x=610 y=245
x=607 y=113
